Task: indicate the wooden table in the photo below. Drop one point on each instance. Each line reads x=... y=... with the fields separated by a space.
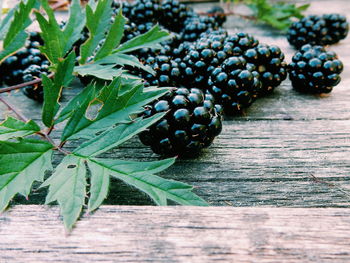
x=277 y=177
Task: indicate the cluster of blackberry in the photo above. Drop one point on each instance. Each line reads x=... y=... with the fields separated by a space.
x=313 y=69
x=26 y=65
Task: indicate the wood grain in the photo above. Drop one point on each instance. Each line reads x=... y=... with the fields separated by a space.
x=174 y=234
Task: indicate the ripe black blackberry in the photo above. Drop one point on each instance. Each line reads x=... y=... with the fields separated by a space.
x=204 y=57
x=190 y=124
x=269 y=62
x=167 y=72
x=195 y=26
x=174 y=14
x=318 y=30
x=218 y=13
x=12 y=68
x=241 y=42
x=31 y=73
x=234 y=85
x=315 y=70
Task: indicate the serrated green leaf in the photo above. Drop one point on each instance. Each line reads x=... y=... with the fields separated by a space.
x=75 y=102
x=22 y=163
x=54 y=40
x=125 y=59
x=106 y=72
x=67 y=186
x=53 y=88
x=15 y=35
x=6 y=22
x=147 y=40
x=113 y=38
x=141 y=177
x=99 y=185
x=75 y=25
x=114 y=137
x=98 y=23
x=118 y=107
x=13 y=128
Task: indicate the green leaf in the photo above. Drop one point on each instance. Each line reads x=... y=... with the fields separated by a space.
x=125 y=59
x=53 y=88
x=13 y=128
x=54 y=40
x=67 y=186
x=98 y=23
x=113 y=38
x=22 y=163
x=86 y=94
x=114 y=137
x=118 y=105
x=15 y=35
x=6 y=22
x=141 y=176
x=99 y=185
x=75 y=25
x=147 y=40
x=106 y=72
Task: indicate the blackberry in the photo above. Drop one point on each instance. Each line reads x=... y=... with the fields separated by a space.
x=145 y=11
x=315 y=70
x=318 y=30
x=195 y=26
x=12 y=68
x=190 y=124
x=234 y=85
x=218 y=13
x=167 y=72
x=269 y=62
x=31 y=73
x=241 y=42
x=198 y=64
x=174 y=14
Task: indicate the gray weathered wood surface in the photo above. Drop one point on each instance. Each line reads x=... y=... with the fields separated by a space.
x=170 y=234
x=288 y=150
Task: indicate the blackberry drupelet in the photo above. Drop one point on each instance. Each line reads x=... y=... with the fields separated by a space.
x=234 y=85
x=191 y=123
x=269 y=62
x=31 y=73
x=315 y=70
x=241 y=42
x=318 y=30
x=174 y=14
x=218 y=13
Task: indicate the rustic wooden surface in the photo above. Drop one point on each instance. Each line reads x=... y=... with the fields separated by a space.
x=287 y=150
x=172 y=235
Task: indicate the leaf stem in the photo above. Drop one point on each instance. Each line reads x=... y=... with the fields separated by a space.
x=14 y=109
x=25 y=84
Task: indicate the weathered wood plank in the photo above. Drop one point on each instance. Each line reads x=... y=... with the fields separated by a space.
x=178 y=234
